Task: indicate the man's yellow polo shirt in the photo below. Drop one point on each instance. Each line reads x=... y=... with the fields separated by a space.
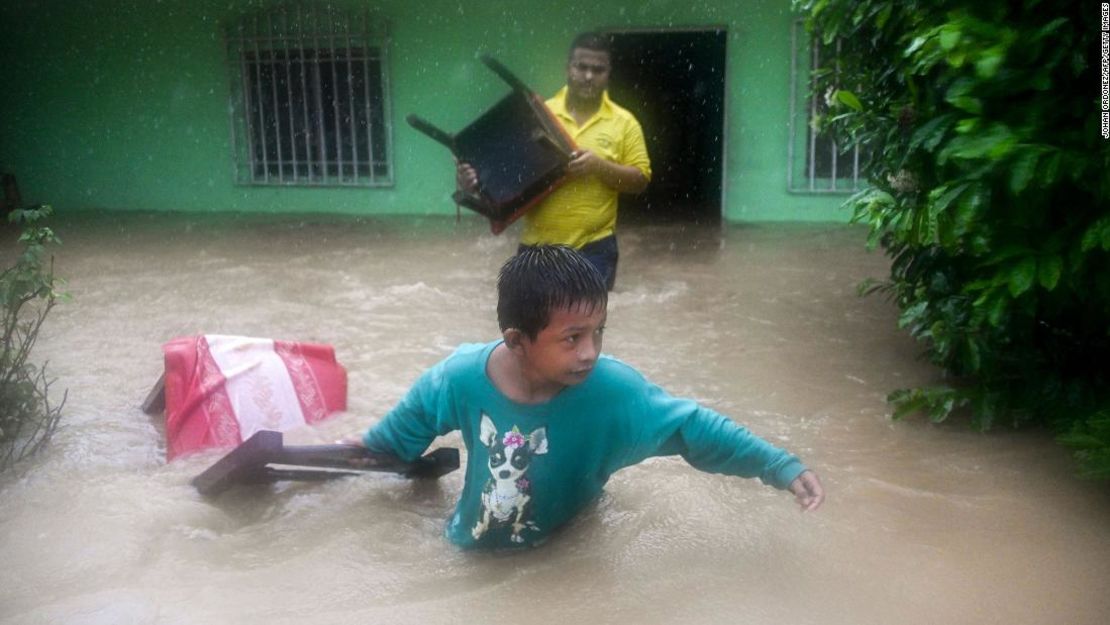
x=584 y=210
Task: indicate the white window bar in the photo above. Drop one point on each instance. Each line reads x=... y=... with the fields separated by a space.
x=318 y=93
x=824 y=170
x=813 y=99
x=273 y=52
x=306 y=128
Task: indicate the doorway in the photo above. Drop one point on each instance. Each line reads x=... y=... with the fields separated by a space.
x=673 y=81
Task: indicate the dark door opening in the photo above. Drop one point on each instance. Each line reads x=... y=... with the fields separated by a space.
x=674 y=83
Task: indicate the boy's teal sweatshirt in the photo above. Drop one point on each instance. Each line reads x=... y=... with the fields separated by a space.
x=532 y=467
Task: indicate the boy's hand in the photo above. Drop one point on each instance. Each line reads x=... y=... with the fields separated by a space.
x=354 y=440
x=808 y=491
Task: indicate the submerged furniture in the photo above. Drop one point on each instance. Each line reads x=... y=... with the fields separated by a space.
x=519 y=149
x=250 y=463
x=217 y=390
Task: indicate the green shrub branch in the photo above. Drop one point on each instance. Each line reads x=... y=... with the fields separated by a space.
x=28 y=292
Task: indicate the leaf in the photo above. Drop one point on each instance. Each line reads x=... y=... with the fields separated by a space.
x=883 y=16
x=988 y=64
x=849 y=99
x=869 y=286
x=967 y=103
x=967 y=124
x=994 y=142
x=916 y=44
x=974 y=356
x=1022 y=276
x=985 y=410
x=949 y=37
x=1048 y=271
x=1097 y=235
x=941 y=203
x=906 y=403
x=1022 y=171
x=939 y=410
x=961 y=91
x=1050 y=27
x=931 y=132
x=911 y=314
x=1051 y=170
x=927 y=231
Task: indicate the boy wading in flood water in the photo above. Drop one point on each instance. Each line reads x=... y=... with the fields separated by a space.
x=547 y=419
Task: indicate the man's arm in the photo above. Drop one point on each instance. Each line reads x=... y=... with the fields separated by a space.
x=622 y=178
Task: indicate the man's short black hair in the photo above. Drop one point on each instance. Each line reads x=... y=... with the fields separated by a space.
x=543 y=278
x=598 y=42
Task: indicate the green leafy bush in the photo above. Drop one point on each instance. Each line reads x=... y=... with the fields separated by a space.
x=989 y=191
x=28 y=291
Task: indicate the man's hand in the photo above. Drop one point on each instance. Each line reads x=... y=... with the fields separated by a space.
x=466 y=178
x=584 y=163
x=808 y=491
x=623 y=178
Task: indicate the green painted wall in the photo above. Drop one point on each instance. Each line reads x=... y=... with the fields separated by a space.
x=123 y=104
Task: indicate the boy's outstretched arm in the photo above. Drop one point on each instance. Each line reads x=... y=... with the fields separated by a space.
x=712 y=442
x=409 y=428
x=808 y=491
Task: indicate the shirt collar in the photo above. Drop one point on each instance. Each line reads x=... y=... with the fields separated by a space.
x=605 y=111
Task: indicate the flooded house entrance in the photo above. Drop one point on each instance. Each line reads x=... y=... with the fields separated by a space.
x=673 y=81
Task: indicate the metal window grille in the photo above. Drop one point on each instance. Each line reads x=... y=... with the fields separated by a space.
x=815 y=163
x=309 y=98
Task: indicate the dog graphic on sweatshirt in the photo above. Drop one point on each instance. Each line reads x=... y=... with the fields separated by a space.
x=507 y=494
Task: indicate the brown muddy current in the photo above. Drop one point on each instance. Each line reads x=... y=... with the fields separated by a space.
x=924 y=524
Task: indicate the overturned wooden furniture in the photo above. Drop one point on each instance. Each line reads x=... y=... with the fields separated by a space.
x=217 y=389
x=518 y=148
x=155 y=402
x=250 y=463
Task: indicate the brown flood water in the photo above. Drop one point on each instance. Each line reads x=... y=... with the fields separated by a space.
x=924 y=524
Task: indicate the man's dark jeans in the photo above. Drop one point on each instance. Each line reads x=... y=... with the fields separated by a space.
x=603 y=255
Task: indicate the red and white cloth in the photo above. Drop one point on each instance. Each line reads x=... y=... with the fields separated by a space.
x=222 y=389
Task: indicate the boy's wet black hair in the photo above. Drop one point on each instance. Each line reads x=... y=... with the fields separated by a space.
x=598 y=42
x=543 y=278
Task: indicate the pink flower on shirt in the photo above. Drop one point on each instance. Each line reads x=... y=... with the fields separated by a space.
x=513 y=439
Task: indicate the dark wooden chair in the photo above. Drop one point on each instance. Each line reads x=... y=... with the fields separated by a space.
x=518 y=148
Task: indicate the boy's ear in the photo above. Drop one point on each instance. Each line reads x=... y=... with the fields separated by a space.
x=514 y=339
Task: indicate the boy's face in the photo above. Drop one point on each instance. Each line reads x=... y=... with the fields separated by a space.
x=564 y=352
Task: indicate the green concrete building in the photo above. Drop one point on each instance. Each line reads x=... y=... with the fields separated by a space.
x=299 y=107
